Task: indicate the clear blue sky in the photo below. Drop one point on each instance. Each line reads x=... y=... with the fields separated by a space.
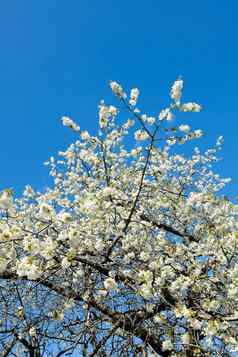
x=57 y=56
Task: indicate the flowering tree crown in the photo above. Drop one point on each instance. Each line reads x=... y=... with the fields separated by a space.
x=131 y=251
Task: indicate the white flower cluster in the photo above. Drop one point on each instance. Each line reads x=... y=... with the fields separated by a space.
x=141 y=135
x=70 y=123
x=190 y=107
x=110 y=284
x=176 y=90
x=166 y=114
x=105 y=113
x=27 y=267
x=134 y=96
x=5 y=199
x=185 y=128
x=46 y=211
x=117 y=89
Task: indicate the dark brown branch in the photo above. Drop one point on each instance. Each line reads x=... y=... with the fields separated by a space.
x=169 y=229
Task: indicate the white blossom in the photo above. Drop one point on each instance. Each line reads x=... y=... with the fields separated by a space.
x=150 y=120
x=46 y=211
x=117 y=89
x=185 y=128
x=110 y=284
x=134 y=96
x=5 y=199
x=166 y=114
x=141 y=135
x=190 y=107
x=65 y=217
x=198 y=133
x=70 y=123
x=28 y=267
x=176 y=90
x=167 y=345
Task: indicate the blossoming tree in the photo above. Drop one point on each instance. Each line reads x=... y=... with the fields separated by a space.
x=131 y=253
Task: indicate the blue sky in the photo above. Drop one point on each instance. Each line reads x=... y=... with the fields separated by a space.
x=57 y=57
